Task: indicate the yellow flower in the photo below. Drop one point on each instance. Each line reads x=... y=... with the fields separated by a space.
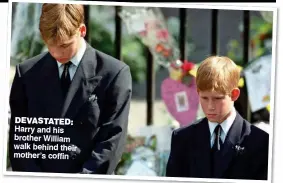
x=268 y=107
x=175 y=74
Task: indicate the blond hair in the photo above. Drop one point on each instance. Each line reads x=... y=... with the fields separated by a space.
x=217 y=73
x=59 y=22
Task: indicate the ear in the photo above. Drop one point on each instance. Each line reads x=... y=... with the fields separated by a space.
x=82 y=30
x=235 y=94
x=198 y=91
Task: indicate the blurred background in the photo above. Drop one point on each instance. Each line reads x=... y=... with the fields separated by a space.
x=244 y=36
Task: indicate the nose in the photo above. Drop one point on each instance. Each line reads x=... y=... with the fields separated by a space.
x=211 y=105
x=57 y=52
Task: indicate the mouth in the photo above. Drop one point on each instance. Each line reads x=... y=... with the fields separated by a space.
x=62 y=60
x=211 y=115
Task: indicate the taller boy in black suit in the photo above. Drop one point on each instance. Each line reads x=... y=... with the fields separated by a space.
x=223 y=144
x=75 y=81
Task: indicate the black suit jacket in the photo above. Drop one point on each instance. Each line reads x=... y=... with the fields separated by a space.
x=99 y=125
x=190 y=152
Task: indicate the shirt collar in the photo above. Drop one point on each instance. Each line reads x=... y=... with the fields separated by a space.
x=225 y=125
x=76 y=59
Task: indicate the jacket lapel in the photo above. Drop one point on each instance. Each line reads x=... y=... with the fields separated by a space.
x=83 y=84
x=202 y=150
x=50 y=87
x=234 y=137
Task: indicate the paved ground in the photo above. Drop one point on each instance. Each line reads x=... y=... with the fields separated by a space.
x=137 y=117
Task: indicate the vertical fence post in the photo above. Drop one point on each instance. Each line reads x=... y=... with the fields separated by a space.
x=86 y=15
x=246 y=42
x=242 y=104
x=118 y=33
x=150 y=88
x=182 y=33
x=214 y=26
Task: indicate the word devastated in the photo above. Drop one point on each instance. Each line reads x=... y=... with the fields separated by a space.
x=46 y=121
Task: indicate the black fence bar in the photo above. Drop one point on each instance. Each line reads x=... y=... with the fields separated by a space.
x=86 y=15
x=118 y=33
x=246 y=42
x=150 y=88
x=182 y=35
x=214 y=25
x=246 y=36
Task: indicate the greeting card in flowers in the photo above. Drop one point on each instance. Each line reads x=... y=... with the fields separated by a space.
x=258 y=79
x=179 y=92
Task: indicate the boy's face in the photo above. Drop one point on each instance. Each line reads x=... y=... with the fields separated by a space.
x=217 y=106
x=63 y=51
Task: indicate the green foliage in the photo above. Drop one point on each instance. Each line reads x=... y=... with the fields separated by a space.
x=27 y=48
x=100 y=38
x=260 y=31
x=235 y=51
x=133 y=52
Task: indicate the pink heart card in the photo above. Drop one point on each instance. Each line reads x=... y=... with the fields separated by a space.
x=181 y=100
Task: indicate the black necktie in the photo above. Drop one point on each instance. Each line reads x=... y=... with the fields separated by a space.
x=66 y=79
x=217 y=140
x=216 y=151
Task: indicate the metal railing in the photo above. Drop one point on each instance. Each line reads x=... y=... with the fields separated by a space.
x=241 y=105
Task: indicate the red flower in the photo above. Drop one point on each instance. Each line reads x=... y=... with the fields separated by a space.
x=262 y=37
x=159 y=48
x=187 y=66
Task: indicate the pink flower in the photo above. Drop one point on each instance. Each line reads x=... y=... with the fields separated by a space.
x=162 y=34
x=143 y=33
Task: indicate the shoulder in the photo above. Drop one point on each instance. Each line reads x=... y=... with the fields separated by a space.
x=109 y=63
x=255 y=131
x=259 y=133
x=189 y=129
x=114 y=72
x=257 y=137
x=30 y=63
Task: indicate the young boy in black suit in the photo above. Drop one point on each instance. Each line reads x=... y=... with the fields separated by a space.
x=74 y=81
x=223 y=144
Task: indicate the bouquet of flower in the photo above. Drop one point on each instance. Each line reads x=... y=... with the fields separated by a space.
x=148 y=24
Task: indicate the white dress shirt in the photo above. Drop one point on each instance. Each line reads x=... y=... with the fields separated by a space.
x=225 y=126
x=76 y=59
